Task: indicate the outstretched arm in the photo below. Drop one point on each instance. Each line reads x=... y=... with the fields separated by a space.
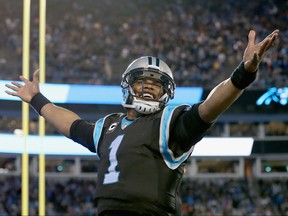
x=223 y=95
x=59 y=117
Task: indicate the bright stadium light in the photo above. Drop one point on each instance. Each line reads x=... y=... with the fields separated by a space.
x=93 y=94
x=60 y=145
x=224 y=147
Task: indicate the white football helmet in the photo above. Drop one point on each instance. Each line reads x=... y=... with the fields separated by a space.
x=147 y=66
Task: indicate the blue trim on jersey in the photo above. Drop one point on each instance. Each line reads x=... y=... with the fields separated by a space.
x=98 y=131
x=170 y=160
x=125 y=122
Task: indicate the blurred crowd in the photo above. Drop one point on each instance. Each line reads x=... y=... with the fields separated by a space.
x=233 y=197
x=92 y=42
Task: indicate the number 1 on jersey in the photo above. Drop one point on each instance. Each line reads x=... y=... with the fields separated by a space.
x=112 y=176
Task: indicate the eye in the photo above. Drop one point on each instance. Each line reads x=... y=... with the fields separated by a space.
x=158 y=84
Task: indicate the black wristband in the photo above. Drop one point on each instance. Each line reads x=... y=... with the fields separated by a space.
x=38 y=101
x=242 y=78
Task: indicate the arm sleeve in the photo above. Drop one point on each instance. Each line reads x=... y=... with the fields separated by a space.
x=189 y=128
x=82 y=133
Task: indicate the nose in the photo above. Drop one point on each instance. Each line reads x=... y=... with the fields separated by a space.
x=148 y=85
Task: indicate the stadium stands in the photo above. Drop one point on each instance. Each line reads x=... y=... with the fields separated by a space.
x=201 y=40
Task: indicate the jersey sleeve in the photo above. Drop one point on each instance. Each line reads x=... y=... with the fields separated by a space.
x=189 y=128
x=82 y=133
x=180 y=129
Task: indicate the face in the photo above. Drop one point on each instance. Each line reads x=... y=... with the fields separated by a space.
x=148 y=88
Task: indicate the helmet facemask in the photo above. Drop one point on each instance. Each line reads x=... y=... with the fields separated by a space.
x=144 y=101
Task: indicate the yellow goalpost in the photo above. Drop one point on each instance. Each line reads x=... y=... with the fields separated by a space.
x=42 y=66
x=25 y=106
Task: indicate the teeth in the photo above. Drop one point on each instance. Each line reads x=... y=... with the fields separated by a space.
x=147 y=95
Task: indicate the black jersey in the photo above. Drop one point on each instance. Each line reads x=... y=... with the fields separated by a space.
x=141 y=164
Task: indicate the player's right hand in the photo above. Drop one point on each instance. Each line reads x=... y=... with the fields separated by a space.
x=24 y=91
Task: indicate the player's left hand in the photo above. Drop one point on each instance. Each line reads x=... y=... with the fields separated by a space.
x=254 y=52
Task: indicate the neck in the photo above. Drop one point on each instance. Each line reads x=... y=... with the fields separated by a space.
x=132 y=114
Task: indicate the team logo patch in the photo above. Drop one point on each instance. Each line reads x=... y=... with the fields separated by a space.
x=112 y=127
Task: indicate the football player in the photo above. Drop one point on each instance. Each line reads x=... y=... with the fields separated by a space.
x=143 y=152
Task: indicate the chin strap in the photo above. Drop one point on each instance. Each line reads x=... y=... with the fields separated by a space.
x=146 y=107
x=143 y=107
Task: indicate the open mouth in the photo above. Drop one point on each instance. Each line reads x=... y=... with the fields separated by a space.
x=148 y=96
